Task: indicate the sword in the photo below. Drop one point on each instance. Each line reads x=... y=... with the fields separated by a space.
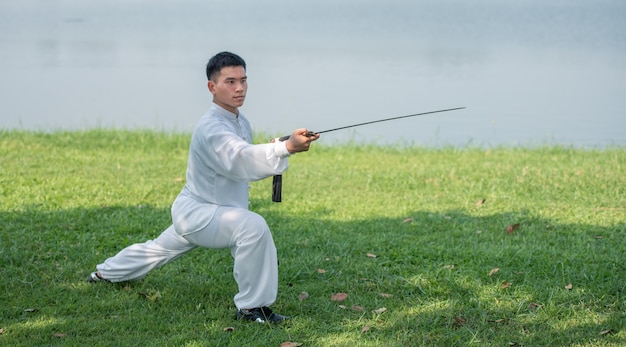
x=278 y=179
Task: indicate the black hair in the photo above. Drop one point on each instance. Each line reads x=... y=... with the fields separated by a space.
x=222 y=60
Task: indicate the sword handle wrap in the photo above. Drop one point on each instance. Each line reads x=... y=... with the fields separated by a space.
x=277 y=188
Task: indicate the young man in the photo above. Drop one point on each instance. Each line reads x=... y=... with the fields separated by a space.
x=211 y=211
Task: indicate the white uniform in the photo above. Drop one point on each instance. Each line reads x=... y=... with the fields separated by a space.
x=212 y=210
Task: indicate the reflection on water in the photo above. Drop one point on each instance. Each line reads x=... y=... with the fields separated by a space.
x=528 y=72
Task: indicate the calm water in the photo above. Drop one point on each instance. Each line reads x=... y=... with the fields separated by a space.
x=529 y=72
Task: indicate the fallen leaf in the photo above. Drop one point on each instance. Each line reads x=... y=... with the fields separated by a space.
x=459 y=321
x=380 y=310
x=59 y=335
x=365 y=328
x=343 y=307
x=303 y=296
x=357 y=308
x=533 y=306
x=385 y=295
x=448 y=267
x=371 y=255
x=599 y=236
x=606 y=332
x=569 y=287
x=178 y=179
x=513 y=344
x=495 y=321
x=290 y=344
x=447 y=217
x=480 y=202
x=1 y=331
x=321 y=271
x=339 y=297
x=506 y=284
x=511 y=228
x=30 y=310
x=154 y=297
x=229 y=329
x=407 y=220
x=493 y=271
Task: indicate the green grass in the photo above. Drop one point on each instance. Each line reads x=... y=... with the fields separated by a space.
x=68 y=200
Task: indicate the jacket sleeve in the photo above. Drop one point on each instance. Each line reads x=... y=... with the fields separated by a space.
x=229 y=155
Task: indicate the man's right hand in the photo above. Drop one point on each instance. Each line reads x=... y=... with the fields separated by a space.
x=300 y=140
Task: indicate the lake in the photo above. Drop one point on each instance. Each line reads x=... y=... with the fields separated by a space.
x=528 y=72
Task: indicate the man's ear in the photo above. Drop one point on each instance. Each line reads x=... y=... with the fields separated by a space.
x=211 y=86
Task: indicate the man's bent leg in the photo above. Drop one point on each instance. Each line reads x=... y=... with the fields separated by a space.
x=135 y=261
x=252 y=247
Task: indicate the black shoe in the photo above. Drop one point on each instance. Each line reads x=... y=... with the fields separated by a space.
x=94 y=277
x=261 y=315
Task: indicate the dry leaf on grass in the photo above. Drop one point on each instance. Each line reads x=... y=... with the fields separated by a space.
x=60 y=335
x=569 y=287
x=321 y=271
x=229 y=329
x=365 y=328
x=303 y=296
x=343 y=307
x=493 y=271
x=606 y=332
x=506 y=284
x=449 y=267
x=371 y=255
x=407 y=220
x=385 y=295
x=1 y=331
x=290 y=344
x=533 y=305
x=31 y=310
x=480 y=202
x=339 y=297
x=511 y=228
x=380 y=310
x=357 y=308
x=459 y=321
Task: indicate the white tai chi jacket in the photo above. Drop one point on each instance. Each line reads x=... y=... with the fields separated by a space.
x=222 y=161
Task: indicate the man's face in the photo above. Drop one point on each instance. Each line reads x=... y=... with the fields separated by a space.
x=229 y=88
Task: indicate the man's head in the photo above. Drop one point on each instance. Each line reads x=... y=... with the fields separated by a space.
x=227 y=80
x=220 y=61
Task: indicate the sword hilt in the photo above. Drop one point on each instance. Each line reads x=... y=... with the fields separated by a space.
x=308 y=134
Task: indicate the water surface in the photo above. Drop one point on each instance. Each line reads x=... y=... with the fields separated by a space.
x=529 y=72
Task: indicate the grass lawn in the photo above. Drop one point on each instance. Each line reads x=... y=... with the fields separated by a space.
x=431 y=246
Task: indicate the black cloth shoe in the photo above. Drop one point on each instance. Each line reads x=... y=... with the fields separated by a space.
x=93 y=277
x=261 y=315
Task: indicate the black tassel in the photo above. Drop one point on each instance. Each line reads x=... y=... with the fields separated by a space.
x=277 y=188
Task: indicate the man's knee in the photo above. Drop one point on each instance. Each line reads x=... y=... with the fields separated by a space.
x=255 y=226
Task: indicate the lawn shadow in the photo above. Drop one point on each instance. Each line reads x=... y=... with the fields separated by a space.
x=435 y=264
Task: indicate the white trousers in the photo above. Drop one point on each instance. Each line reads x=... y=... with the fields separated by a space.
x=244 y=232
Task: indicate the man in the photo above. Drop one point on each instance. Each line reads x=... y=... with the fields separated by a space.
x=211 y=211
